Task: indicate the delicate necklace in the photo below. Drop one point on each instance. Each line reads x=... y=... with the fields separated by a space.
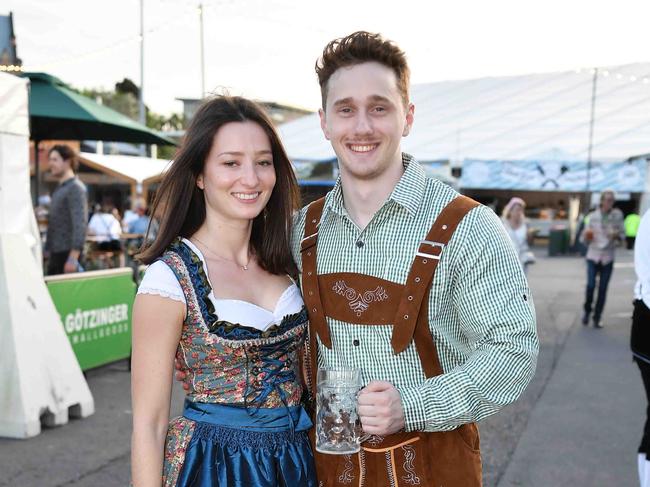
x=243 y=267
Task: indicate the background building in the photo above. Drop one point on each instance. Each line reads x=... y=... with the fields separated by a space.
x=9 y=60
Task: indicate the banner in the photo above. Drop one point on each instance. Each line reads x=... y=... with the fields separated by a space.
x=627 y=176
x=95 y=308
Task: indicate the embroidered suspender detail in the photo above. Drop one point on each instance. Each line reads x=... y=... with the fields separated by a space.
x=359 y=302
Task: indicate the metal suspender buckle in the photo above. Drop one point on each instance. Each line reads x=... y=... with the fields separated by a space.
x=433 y=245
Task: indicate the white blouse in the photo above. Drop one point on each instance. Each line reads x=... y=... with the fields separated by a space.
x=159 y=279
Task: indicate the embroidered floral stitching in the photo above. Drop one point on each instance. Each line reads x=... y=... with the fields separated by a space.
x=375 y=440
x=411 y=477
x=346 y=476
x=359 y=302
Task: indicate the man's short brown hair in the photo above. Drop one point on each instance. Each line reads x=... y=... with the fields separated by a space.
x=361 y=47
x=68 y=154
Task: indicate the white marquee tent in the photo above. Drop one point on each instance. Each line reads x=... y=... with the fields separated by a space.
x=40 y=378
x=515 y=118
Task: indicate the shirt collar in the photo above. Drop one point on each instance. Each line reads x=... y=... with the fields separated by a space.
x=408 y=191
x=67 y=181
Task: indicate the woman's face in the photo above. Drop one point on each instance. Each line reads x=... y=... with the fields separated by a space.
x=516 y=212
x=238 y=175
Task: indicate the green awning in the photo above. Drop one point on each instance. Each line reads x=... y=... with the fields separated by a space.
x=57 y=112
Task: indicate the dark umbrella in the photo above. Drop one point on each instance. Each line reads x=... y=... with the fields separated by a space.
x=58 y=112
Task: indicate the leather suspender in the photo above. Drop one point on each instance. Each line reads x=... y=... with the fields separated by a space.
x=310 y=286
x=420 y=277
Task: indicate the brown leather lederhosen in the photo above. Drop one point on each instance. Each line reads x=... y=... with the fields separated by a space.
x=440 y=459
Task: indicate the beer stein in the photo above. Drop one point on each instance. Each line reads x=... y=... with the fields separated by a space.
x=338 y=428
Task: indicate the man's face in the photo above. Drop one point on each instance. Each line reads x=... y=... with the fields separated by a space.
x=365 y=119
x=607 y=202
x=57 y=165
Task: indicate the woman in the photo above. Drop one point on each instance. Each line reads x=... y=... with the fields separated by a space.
x=105 y=228
x=514 y=221
x=217 y=297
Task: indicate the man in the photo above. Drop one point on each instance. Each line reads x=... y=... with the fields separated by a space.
x=140 y=222
x=367 y=254
x=631 y=224
x=66 y=230
x=603 y=230
x=436 y=357
x=640 y=336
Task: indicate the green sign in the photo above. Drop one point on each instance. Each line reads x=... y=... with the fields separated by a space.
x=95 y=308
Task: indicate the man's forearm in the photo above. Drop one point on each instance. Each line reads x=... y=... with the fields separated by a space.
x=473 y=391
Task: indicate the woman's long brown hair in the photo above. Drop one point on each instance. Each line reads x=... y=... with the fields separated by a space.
x=180 y=205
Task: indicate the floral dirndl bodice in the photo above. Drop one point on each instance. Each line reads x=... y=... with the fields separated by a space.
x=231 y=363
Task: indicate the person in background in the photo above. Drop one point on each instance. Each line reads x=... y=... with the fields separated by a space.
x=129 y=215
x=561 y=213
x=138 y=227
x=68 y=215
x=640 y=336
x=140 y=223
x=105 y=228
x=631 y=224
x=515 y=222
x=603 y=231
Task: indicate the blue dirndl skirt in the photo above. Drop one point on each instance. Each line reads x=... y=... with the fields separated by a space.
x=234 y=446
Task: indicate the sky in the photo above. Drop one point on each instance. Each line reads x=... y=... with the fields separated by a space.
x=266 y=49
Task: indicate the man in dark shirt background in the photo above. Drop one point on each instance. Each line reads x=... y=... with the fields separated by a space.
x=66 y=230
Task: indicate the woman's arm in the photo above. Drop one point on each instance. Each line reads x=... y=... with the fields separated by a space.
x=157 y=324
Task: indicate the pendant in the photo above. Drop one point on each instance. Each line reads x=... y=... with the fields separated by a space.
x=244 y=267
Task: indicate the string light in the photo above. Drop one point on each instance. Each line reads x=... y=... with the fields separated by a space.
x=605 y=73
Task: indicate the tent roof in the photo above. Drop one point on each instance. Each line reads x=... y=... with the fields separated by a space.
x=515 y=117
x=136 y=169
x=58 y=112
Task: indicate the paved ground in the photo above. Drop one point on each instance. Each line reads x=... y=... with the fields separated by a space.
x=577 y=424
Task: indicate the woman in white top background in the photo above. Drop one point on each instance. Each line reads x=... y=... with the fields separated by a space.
x=105 y=228
x=218 y=298
x=515 y=222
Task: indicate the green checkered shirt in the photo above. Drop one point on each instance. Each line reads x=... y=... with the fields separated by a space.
x=481 y=312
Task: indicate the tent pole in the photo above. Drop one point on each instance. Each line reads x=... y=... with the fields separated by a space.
x=591 y=139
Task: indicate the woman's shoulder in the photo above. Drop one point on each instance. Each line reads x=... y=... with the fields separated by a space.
x=160 y=279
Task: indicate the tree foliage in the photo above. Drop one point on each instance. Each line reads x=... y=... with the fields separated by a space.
x=124 y=99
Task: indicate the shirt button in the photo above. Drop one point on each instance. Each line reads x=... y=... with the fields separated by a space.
x=355 y=342
x=359 y=243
